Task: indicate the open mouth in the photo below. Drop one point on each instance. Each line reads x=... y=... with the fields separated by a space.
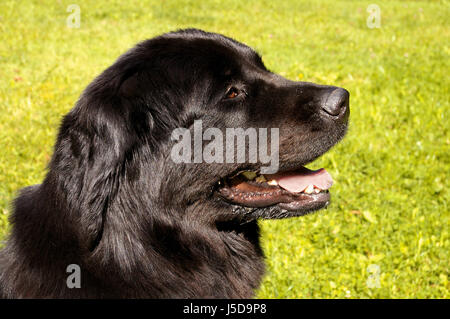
x=298 y=190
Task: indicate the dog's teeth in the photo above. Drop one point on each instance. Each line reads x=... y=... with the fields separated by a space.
x=272 y=182
x=317 y=190
x=260 y=179
x=249 y=175
x=309 y=189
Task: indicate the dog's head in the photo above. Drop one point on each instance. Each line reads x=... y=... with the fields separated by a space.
x=243 y=134
x=163 y=127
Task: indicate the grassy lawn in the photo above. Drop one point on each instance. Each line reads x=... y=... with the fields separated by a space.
x=390 y=202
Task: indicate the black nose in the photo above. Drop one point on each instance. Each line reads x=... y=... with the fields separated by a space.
x=336 y=103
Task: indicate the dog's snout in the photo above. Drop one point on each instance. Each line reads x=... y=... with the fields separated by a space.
x=336 y=103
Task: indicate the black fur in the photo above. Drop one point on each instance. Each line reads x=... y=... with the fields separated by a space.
x=113 y=202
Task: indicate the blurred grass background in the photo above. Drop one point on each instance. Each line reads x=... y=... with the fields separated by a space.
x=390 y=205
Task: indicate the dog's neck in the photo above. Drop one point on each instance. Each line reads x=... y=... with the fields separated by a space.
x=148 y=259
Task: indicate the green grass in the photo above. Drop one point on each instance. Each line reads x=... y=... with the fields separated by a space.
x=390 y=203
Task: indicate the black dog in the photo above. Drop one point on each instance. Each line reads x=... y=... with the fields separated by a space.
x=139 y=224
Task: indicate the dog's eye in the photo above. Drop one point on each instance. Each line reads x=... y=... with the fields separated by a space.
x=232 y=93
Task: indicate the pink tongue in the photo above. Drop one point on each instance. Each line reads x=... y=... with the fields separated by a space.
x=296 y=181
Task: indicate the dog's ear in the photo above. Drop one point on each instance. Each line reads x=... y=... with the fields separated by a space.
x=89 y=162
x=116 y=115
